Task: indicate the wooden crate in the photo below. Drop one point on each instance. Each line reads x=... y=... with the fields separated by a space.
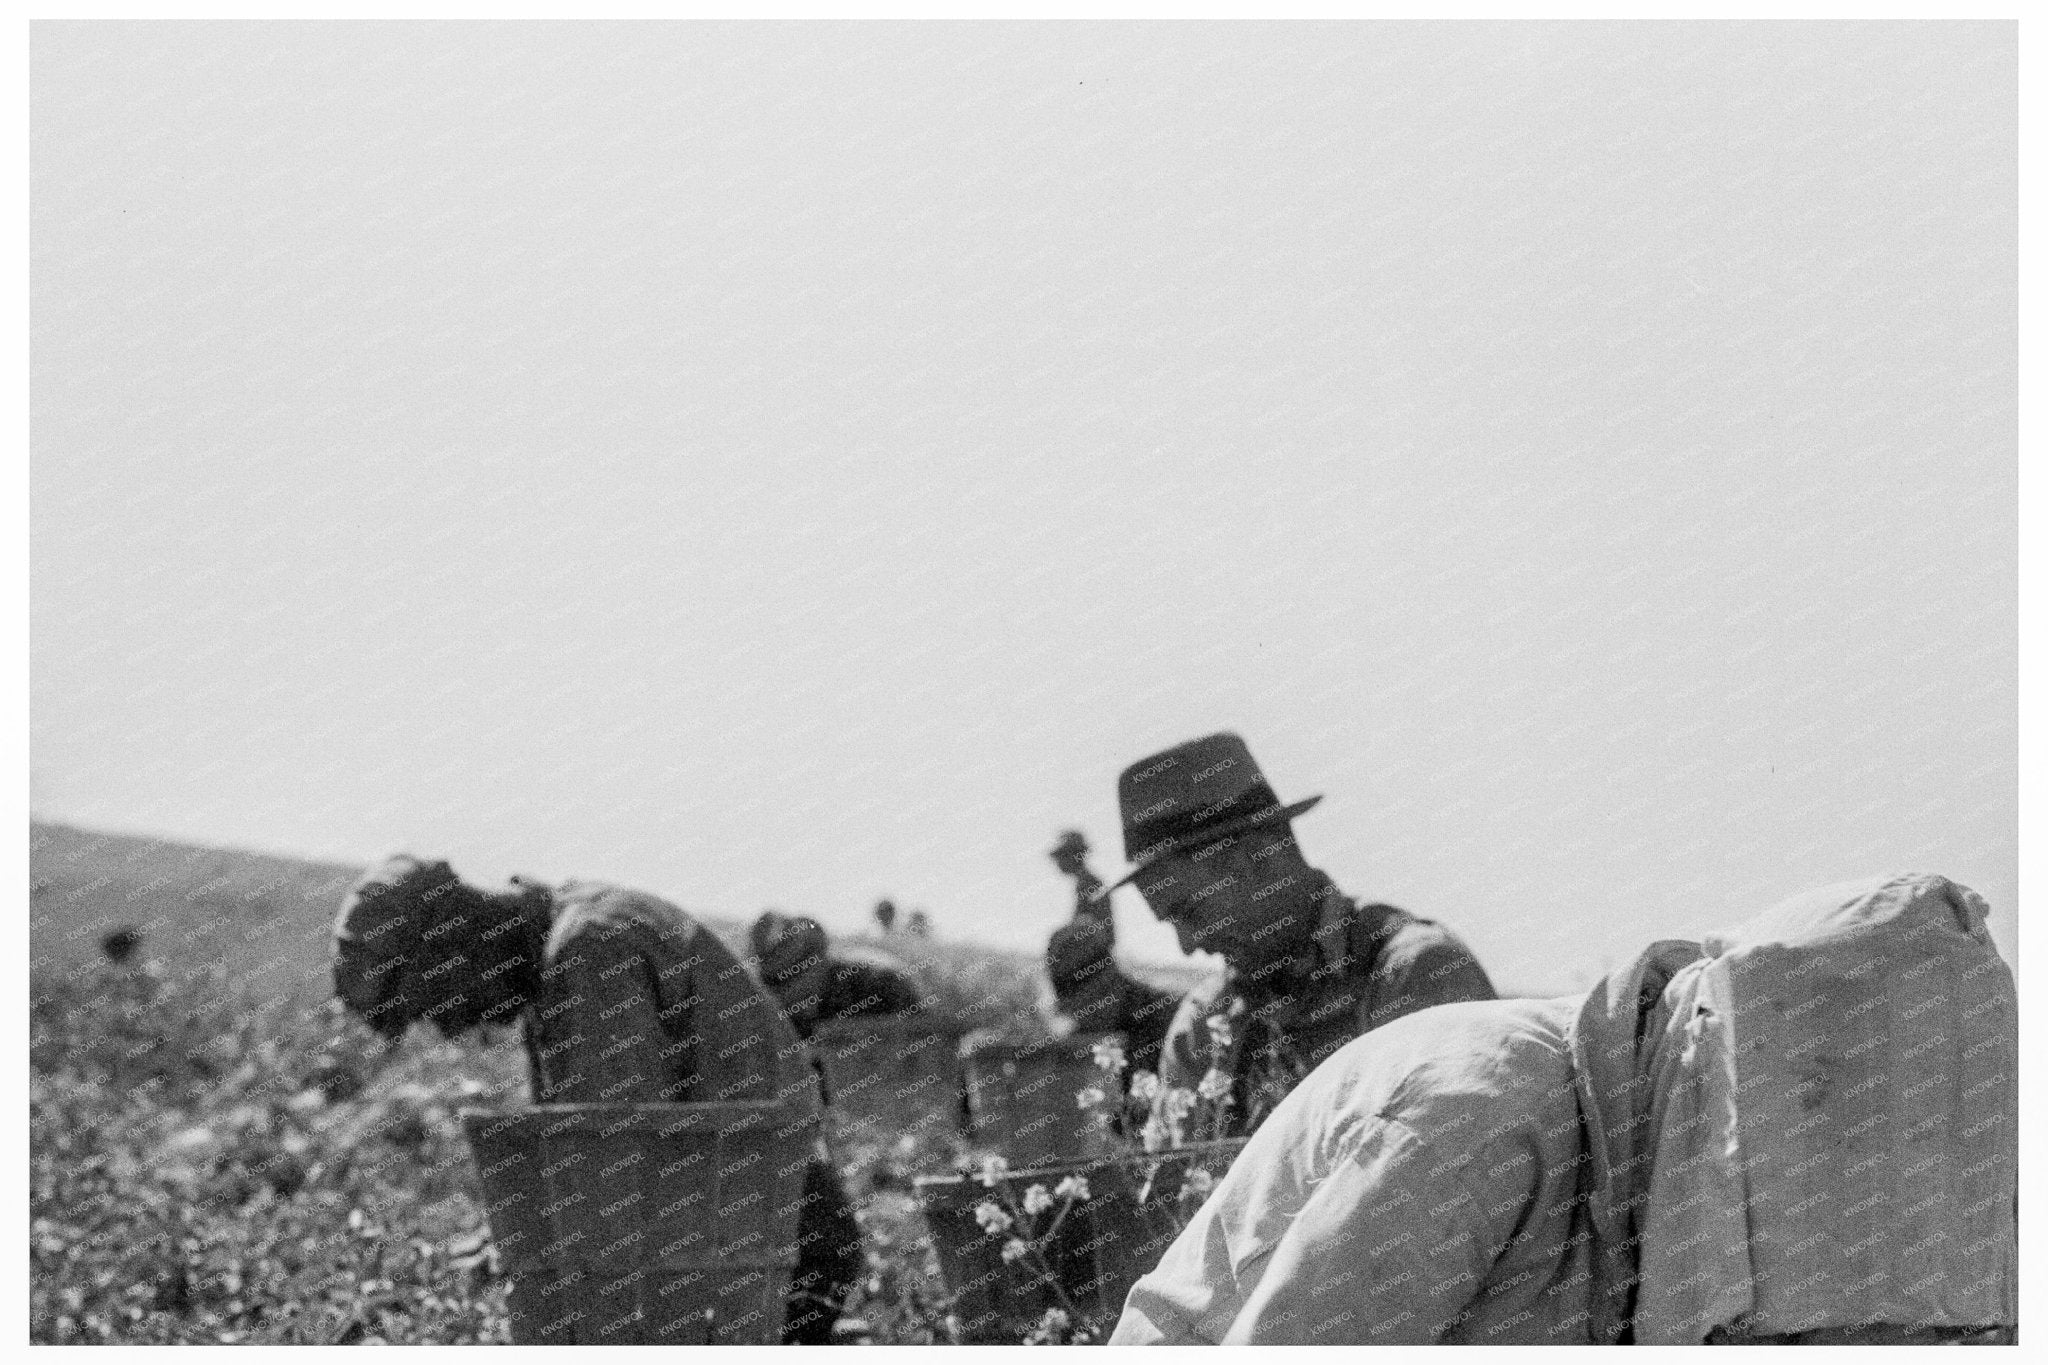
x=1022 y=1099
x=890 y=1078
x=644 y=1223
x=1103 y=1246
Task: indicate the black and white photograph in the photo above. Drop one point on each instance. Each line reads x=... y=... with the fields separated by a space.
x=937 y=682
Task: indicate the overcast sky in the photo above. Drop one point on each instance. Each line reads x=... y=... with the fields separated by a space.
x=788 y=465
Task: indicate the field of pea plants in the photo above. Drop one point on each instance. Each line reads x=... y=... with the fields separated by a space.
x=220 y=1155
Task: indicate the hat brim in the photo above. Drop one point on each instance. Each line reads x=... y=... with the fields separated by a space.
x=1277 y=815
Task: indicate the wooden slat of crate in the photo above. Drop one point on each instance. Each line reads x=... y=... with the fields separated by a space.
x=890 y=1078
x=546 y=1304
x=1022 y=1100
x=1101 y=1250
x=645 y=1223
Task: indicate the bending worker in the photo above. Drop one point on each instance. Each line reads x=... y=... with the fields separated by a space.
x=1618 y=1169
x=1309 y=968
x=816 y=986
x=624 y=998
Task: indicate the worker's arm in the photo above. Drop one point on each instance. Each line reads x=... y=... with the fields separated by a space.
x=1147 y=1014
x=1184 y=1057
x=1387 y=1247
x=1191 y=1296
x=601 y=1035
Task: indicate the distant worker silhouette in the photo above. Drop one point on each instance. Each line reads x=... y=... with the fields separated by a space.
x=1080 y=959
x=1309 y=968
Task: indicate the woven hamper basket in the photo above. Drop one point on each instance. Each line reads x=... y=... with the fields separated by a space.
x=1022 y=1099
x=889 y=1078
x=1105 y=1245
x=629 y=1224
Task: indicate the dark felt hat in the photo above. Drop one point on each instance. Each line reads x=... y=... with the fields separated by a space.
x=1194 y=794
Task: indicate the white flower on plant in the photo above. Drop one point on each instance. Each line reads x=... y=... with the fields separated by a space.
x=1144 y=1086
x=1198 y=1181
x=1050 y=1329
x=1090 y=1098
x=1037 y=1200
x=1015 y=1250
x=1219 y=1031
x=1215 y=1085
x=1109 y=1055
x=993 y=1169
x=1179 y=1103
x=1074 y=1187
x=992 y=1217
x=1157 y=1136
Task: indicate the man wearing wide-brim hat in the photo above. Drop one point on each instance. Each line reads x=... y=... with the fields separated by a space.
x=1309 y=968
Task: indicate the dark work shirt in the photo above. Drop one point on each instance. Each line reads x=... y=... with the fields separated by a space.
x=639 y=1003
x=1141 y=1013
x=1371 y=965
x=856 y=990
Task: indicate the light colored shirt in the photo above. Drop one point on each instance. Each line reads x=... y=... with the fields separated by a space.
x=1803 y=1129
x=1420 y=1186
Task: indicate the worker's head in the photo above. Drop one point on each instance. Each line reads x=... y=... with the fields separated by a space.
x=789 y=954
x=1214 y=850
x=1070 y=852
x=1248 y=896
x=413 y=942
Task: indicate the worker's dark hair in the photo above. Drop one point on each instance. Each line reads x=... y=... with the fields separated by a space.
x=786 y=946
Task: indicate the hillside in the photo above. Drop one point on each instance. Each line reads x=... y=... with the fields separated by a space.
x=267 y=921
x=264 y=918
x=220 y=1154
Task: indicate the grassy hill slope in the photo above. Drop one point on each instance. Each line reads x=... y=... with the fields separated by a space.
x=220 y=1154
x=266 y=922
